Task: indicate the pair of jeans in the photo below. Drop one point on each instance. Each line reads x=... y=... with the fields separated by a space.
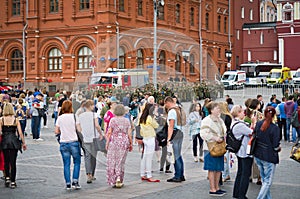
x=178 y=165
x=288 y=128
x=195 y=143
x=36 y=126
x=241 y=183
x=90 y=156
x=10 y=159
x=146 y=162
x=23 y=125
x=294 y=134
x=68 y=149
x=267 y=170
x=55 y=116
x=282 y=124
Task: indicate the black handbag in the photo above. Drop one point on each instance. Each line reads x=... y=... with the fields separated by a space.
x=79 y=136
x=162 y=135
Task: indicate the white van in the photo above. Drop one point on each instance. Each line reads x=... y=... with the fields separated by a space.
x=296 y=77
x=234 y=79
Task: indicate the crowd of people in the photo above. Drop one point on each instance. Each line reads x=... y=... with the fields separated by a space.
x=135 y=120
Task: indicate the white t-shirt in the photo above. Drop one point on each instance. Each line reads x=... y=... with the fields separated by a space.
x=86 y=121
x=66 y=124
x=172 y=115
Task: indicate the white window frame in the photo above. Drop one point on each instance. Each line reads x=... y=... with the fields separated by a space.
x=242 y=12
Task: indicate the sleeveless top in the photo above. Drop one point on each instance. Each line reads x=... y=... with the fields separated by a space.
x=9 y=136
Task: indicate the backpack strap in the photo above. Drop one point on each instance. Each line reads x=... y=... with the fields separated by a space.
x=234 y=126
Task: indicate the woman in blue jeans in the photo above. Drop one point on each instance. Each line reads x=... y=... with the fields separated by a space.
x=266 y=151
x=69 y=145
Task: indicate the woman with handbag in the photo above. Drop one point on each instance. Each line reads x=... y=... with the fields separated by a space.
x=266 y=150
x=69 y=144
x=148 y=125
x=119 y=142
x=242 y=132
x=11 y=131
x=213 y=132
x=87 y=124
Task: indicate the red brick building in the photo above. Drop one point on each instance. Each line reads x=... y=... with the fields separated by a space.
x=260 y=43
x=62 y=39
x=288 y=28
x=245 y=11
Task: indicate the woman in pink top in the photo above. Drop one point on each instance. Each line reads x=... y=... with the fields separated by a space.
x=109 y=114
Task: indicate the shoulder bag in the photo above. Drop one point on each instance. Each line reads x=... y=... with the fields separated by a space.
x=99 y=144
x=79 y=136
x=216 y=149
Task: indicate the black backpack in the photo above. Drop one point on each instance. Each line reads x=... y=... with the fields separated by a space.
x=233 y=144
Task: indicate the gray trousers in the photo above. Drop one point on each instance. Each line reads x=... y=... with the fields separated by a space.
x=90 y=156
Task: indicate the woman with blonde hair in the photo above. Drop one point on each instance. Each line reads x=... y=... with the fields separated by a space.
x=227 y=118
x=119 y=142
x=242 y=131
x=213 y=129
x=87 y=124
x=10 y=144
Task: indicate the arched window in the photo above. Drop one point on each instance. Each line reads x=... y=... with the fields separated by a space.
x=16 y=7
x=140 y=58
x=225 y=24
x=84 y=57
x=177 y=13
x=192 y=17
x=54 y=6
x=54 y=59
x=192 y=63
x=121 y=6
x=177 y=63
x=121 y=58
x=219 y=23
x=287 y=13
x=140 y=7
x=207 y=21
x=160 y=11
x=16 y=61
x=162 y=60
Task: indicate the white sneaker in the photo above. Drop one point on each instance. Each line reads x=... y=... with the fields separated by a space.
x=45 y=127
x=39 y=139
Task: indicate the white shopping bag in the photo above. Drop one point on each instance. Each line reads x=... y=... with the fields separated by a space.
x=170 y=154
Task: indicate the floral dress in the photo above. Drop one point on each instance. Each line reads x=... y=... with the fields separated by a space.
x=117 y=149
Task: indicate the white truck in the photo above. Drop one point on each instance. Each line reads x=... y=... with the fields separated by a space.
x=234 y=79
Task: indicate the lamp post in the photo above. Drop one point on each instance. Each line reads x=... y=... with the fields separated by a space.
x=228 y=54
x=155 y=3
x=185 y=54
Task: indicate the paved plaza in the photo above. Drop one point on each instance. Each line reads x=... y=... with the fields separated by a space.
x=40 y=175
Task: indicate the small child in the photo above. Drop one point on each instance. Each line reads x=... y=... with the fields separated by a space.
x=21 y=116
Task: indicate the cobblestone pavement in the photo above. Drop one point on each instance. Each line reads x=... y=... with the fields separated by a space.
x=40 y=175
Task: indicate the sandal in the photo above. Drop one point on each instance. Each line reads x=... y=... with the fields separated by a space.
x=7 y=181
x=13 y=185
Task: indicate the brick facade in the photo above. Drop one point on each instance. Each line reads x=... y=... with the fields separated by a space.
x=62 y=39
